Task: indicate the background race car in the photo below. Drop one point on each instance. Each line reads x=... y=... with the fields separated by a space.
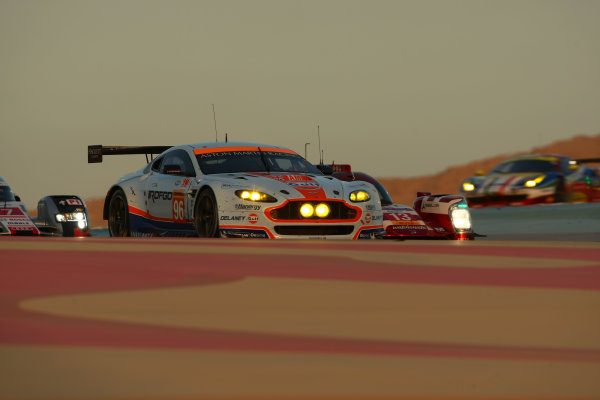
x=14 y=219
x=236 y=190
x=430 y=217
x=61 y=215
x=534 y=179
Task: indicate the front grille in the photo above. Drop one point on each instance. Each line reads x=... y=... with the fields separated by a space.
x=325 y=230
x=291 y=211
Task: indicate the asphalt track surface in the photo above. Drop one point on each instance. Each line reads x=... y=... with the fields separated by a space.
x=106 y=318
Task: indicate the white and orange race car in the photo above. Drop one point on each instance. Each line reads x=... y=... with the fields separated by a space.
x=247 y=190
x=430 y=217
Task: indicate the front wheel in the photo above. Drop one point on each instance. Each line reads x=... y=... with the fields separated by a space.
x=560 y=193
x=206 y=214
x=118 y=215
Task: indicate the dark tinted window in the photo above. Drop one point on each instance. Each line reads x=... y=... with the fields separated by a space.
x=179 y=159
x=526 y=166
x=6 y=194
x=254 y=161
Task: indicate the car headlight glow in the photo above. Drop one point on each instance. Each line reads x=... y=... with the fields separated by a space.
x=468 y=187
x=77 y=216
x=461 y=218
x=81 y=224
x=307 y=210
x=253 y=195
x=359 y=196
x=322 y=210
x=534 y=182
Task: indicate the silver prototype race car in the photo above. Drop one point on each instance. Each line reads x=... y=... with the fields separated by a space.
x=236 y=190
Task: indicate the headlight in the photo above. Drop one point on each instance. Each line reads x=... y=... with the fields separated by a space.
x=468 y=187
x=322 y=210
x=307 y=210
x=253 y=195
x=359 y=196
x=534 y=182
x=461 y=218
x=78 y=216
x=81 y=224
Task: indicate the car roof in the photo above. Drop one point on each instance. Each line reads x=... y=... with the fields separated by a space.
x=212 y=145
x=535 y=156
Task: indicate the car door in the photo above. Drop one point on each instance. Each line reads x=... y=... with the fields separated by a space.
x=167 y=195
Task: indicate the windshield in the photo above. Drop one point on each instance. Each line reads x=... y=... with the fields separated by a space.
x=253 y=161
x=6 y=194
x=525 y=166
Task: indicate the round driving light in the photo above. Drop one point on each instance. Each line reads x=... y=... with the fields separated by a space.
x=531 y=183
x=60 y=218
x=245 y=195
x=468 y=187
x=81 y=224
x=322 y=210
x=78 y=216
x=307 y=210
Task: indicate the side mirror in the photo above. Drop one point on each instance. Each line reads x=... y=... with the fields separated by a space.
x=325 y=169
x=17 y=198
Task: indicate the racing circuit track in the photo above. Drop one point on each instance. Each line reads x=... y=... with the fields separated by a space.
x=105 y=318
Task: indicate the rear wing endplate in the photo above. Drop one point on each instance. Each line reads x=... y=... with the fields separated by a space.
x=95 y=152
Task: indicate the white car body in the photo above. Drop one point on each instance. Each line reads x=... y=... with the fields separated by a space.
x=163 y=203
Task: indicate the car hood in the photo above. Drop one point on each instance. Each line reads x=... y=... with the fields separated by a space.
x=496 y=182
x=294 y=185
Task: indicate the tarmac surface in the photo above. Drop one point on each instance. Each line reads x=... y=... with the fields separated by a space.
x=106 y=318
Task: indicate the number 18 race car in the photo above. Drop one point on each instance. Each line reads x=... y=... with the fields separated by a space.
x=431 y=217
x=236 y=190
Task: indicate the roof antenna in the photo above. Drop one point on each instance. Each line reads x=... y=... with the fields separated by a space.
x=215 y=119
x=320 y=151
x=225 y=137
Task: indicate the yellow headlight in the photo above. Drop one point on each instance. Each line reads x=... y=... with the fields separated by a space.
x=530 y=183
x=253 y=195
x=307 y=210
x=359 y=196
x=468 y=187
x=322 y=210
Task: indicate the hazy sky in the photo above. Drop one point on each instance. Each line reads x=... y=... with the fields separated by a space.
x=398 y=88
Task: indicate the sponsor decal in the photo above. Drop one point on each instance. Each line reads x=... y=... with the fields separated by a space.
x=71 y=202
x=253 y=218
x=431 y=205
x=238 y=218
x=254 y=207
x=244 y=233
x=186 y=182
x=368 y=218
x=156 y=195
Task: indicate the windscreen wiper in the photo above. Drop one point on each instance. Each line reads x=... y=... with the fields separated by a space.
x=262 y=157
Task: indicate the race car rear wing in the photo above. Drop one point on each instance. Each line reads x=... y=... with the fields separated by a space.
x=95 y=152
x=588 y=160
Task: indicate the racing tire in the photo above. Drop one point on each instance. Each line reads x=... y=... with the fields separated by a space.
x=206 y=214
x=118 y=215
x=560 y=193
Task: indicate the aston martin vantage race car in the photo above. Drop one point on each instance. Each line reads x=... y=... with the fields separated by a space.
x=430 y=217
x=239 y=189
x=534 y=179
x=61 y=215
